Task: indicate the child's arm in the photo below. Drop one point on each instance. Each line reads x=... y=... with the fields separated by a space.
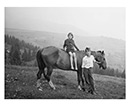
x=83 y=63
x=96 y=61
x=75 y=46
x=64 y=45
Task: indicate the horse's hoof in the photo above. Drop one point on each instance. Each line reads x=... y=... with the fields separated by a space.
x=38 y=85
x=40 y=89
x=83 y=89
x=92 y=92
x=79 y=87
x=53 y=87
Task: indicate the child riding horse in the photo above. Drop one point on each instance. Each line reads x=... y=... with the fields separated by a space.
x=69 y=44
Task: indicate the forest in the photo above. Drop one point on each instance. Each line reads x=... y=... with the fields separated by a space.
x=18 y=52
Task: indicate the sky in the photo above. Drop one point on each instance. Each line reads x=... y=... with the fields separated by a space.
x=107 y=21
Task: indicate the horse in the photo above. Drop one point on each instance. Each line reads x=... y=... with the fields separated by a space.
x=52 y=57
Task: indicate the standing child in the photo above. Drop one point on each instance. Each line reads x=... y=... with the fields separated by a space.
x=87 y=68
x=69 y=44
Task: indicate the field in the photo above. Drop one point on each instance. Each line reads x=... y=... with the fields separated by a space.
x=20 y=83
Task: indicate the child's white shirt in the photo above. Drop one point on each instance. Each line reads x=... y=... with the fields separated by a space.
x=87 y=62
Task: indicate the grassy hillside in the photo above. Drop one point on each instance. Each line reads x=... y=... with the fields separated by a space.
x=114 y=48
x=20 y=83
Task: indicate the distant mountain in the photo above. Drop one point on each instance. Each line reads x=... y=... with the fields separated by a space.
x=45 y=26
x=114 y=48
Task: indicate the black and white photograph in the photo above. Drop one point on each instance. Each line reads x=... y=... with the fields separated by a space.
x=64 y=53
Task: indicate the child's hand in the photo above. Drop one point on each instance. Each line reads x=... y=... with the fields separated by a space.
x=77 y=49
x=98 y=62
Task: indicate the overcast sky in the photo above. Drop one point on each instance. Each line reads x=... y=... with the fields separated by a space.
x=108 y=22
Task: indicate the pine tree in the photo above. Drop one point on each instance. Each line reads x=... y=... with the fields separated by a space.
x=123 y=75
x=29 y=55
x=15 y=54
x=24 y=55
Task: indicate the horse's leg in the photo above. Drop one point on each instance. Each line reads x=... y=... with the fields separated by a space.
x=39 y=74
x=38 y=79
x=82 y=79
x=78 y=78
x=48 y=77
x=41 y=66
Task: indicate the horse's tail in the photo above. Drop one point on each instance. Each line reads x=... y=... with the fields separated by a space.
x=40 y=62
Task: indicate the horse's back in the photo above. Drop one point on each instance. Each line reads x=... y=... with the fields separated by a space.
x=49 y=55
x=49 y=50
x=59 y=58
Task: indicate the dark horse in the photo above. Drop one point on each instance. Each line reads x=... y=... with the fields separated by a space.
x=52 y=57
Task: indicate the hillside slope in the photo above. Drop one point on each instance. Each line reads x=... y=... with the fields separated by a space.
x=114 y=48
x=20 y=83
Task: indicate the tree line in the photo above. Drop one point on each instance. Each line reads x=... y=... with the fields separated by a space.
x=109 y=71
x=18 y=52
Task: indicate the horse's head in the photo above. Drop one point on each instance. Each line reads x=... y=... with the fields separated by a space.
x=100 y=57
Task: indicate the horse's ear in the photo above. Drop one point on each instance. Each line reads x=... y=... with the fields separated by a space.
x=103 y=52
x=99 y=51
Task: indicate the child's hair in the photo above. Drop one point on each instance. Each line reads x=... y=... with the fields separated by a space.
x=70 y=34
x=87 y=49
